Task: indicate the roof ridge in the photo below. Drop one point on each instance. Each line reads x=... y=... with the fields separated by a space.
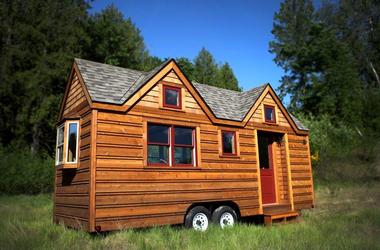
x=112 y=66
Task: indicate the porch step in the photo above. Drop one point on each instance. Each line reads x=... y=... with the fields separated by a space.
x=276 y=208
x=282 y=217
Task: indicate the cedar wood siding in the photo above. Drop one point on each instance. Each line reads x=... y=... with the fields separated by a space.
x=114 y=188
x=131 y=194
x=71 y=205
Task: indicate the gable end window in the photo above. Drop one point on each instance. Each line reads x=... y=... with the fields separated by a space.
x=269 y=114
x=172 y=97
x=171 y=145
x=229 y=143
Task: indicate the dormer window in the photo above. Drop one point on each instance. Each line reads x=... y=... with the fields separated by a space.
x=172 y=97
x=269 y=114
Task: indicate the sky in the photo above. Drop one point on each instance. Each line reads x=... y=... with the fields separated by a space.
x=237 y=32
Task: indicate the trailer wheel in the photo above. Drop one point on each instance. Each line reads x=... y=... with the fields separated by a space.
x=224 y=216
x=198 y=218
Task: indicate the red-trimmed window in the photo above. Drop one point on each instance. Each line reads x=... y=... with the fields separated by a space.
x=229 y=142
x=171 y=97
x=171 y=145
x=269 y=114
x=183 y=153
x=158 y=144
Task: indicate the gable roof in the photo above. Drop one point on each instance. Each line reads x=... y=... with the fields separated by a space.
x=115 y=85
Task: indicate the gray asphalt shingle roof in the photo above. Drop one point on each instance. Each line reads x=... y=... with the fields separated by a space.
x=112 y=84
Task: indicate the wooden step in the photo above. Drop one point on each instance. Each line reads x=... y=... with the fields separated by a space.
x=282 y=217
x=276 y=208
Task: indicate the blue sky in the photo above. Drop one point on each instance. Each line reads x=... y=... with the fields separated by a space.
x=237 y=32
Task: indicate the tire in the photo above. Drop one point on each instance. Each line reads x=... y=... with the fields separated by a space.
x=224 y=216
x=198 y=218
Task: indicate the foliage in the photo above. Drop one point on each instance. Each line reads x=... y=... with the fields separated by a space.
x=205 y=68
x=115 y=40
x=25 y=173
x=346 y=217
x=38 y=43
x=226 y=78
x=340 y=152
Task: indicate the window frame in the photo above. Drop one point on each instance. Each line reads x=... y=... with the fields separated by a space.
x=67 y=143
x=235 y=143
x=178 y=90
x=158 y=143
x=171 y=146
x=273 y=108
x=57 y=162
x=192 y=146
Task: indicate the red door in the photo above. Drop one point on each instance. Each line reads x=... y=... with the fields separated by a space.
x=268 y=189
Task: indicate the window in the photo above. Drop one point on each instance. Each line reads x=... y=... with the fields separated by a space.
x=269 y=113
x=229 y=142
x=171 y=97
x=158 y=144
x=183 y=146
x=72 y=142
x=263 y=152
x=170 y=145
x=59 y=149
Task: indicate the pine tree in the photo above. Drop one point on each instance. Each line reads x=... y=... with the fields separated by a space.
x=205 y=68
x=116 y=40
x=186 y=66
x=226 y=78
x=38 y=43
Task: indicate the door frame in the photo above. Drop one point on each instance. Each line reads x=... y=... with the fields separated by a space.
x=273 y=157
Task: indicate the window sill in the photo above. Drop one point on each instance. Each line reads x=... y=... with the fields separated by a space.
x=271 y=123
x=67 y=166
x=172 y=109
x=165 y=167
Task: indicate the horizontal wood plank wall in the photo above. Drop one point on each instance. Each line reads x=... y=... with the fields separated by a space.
x=72 y=185
x=129 y=194
x=75 y=98
x=302 y=183
x=282 y=176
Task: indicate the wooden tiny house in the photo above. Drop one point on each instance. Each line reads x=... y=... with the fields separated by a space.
x=138 y=149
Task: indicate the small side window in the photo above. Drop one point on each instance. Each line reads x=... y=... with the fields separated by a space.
x=72 y=142
x=59 y=146
x=172 y=97
x=269 y=113
x=229 y=142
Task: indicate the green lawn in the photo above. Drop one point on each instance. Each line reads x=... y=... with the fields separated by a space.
x=346 y=217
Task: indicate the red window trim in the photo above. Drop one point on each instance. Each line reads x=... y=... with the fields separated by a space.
x=235 y=143
x=160 y=144
x=171 y=144
x=178 y=90
x=274 y=113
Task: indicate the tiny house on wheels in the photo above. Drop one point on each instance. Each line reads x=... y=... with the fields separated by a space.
x=137 y=149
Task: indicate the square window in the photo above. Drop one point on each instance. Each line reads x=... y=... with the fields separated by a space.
x=270 y=115
x=172 y=97
x=229 y=142
x=171 y=145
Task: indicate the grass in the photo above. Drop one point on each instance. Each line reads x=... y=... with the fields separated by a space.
x=346 y=217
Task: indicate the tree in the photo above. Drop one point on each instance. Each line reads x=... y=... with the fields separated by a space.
x=186 y=66
x=226 y=78
x=290 y=28
x=322 y=76
x=38 y=43
x=115 y=40
x=205 y=68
